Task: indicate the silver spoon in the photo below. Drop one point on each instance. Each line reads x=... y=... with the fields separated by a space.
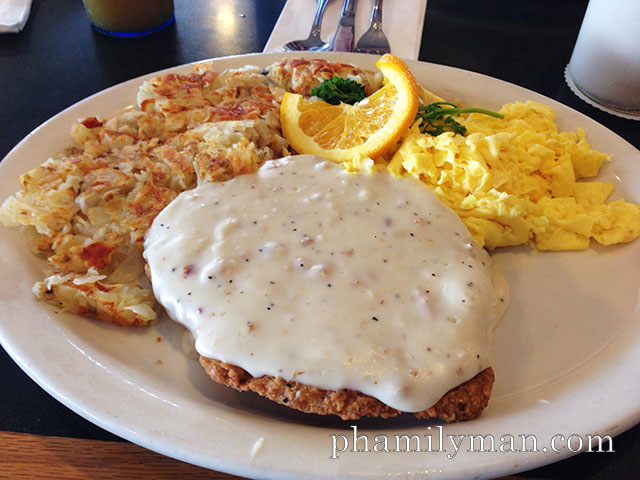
x=314 y=42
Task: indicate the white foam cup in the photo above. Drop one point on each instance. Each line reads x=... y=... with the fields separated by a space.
x=605 y=64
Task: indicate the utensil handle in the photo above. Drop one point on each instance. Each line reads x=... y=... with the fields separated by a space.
x=348 y=10
x=317 y=19
x=376 y=15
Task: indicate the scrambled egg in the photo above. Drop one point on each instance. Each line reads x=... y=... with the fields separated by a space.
x=513 y=180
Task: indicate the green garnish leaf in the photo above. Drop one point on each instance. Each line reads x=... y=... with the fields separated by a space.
x=438 y=117
x=338 y=90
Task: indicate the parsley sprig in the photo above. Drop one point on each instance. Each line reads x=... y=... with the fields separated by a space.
x=438 y=117
x=338 y=90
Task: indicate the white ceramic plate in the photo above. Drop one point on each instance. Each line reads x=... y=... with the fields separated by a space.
x=566 y=353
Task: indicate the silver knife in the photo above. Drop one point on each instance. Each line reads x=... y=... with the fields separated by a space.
x=343 y=38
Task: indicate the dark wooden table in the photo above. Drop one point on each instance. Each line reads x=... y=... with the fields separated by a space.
x=58 y=60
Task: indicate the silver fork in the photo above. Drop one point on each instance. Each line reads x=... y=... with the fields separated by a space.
x=374 y=40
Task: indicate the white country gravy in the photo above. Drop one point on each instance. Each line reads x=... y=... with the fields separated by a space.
x=327 y=278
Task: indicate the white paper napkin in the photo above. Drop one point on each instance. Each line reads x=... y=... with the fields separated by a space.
x=402 y=22
x=13 y=15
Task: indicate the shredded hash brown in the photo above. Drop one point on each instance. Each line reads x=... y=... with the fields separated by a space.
x=87 y=209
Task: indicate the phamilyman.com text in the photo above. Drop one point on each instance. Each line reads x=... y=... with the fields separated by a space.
x=434 y=440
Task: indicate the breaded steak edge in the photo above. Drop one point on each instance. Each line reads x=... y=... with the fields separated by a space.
x=464 y=402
